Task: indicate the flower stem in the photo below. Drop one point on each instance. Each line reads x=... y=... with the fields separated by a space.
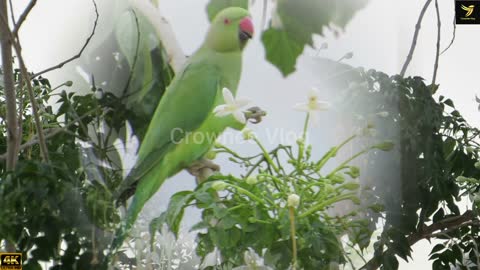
x=291 y=210
x=325 y=203
x=343 y=165
x=332 y=153
x=266 y=155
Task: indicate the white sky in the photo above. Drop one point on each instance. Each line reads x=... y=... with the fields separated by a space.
x=379 y=36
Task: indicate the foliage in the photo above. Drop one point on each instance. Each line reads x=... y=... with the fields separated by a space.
x=436 y=146
x=295 y=22
x=256 y=210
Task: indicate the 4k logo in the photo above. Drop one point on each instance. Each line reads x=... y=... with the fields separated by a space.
x=11 y=261
x=467 y=12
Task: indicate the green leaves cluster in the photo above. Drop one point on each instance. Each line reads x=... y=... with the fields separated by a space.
x=251 y=211
x=294 y=24
x=297 y=23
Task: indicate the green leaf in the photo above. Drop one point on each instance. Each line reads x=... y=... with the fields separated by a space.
x=281 y=50
x=437 y=248
x=174 y=213
x=390 y=262
x=296 y=23
x=216 y=6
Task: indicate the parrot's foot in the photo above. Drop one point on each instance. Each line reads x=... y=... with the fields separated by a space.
x=255 y=114
x=202 y=169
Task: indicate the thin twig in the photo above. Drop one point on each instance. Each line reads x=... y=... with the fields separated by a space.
x=12 y=15
x=60 y=65
x=23 y=16
x=415 y=38
x=9 y=87
x=33 y=101
x=437 y=54
x=453 y=36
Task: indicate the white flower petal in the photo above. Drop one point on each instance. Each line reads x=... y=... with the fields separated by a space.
x=223 y=113
x=220 y=108
x=301 y=107
x=241 y=102
x=240 y=117
x=321 y=106
x=228 y=96
x=313 y=93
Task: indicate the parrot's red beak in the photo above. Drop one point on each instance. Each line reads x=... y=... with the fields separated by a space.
x=246 y=29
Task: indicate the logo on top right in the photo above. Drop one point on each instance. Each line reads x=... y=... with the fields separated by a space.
x=467 y=12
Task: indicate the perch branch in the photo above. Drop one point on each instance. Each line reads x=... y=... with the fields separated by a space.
x=415 y=38
x=164 y=31
x=437 y=53
x=61 y=64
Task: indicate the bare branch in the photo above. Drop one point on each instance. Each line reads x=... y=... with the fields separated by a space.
x=415 y=38
x=453 y=36
x=9 y=87
x=23 y=16
x=446 y=225
x=176 y=57
x=437 y=54
x=12 y=15
x=60 y=65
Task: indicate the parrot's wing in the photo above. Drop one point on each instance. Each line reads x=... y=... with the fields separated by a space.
x=184 y=107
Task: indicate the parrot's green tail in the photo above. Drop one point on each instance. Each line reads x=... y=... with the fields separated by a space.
x=147 y=187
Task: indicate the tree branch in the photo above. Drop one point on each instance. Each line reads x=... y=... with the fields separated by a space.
x=176 y=57
x=60 y=65
x=415 y=38
x=23 y=16
x=446 y=225
x=9 y=88
x=437 y=54
x=454 y=32
x=24 y=73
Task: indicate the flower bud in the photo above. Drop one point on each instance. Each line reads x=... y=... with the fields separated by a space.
x=248 y=134
x=293 y=200
x=211 y=155
x=385 y=146
x=68 y=83
x=219 y=185
x=477 y=165
x=252 y=180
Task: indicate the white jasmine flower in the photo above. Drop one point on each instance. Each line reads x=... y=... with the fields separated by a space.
x=313 y=105
x=231 y=106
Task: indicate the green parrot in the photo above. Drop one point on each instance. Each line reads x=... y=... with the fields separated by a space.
x=186 y=111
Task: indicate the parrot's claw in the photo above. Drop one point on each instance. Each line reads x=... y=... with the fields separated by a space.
x=255 y=114
x=203 y=168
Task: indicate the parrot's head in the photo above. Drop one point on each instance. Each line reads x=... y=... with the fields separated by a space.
x=230 y=30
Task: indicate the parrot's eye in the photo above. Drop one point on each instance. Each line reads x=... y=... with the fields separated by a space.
x=226 y=21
